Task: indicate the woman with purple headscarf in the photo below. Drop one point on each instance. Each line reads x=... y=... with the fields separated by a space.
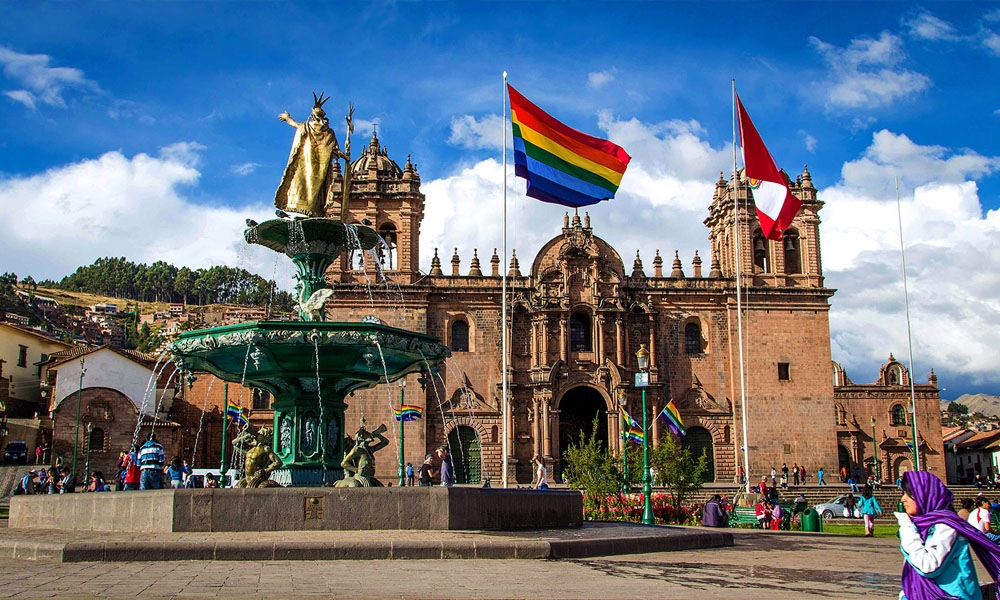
x=935 y=542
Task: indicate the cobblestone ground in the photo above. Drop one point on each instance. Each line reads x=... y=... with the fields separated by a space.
x=761 y=565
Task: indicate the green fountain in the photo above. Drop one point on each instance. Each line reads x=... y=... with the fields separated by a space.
x=312 y=365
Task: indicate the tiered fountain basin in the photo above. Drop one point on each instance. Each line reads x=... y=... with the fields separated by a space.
x=309 y=368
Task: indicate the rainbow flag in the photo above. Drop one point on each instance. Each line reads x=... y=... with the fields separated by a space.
x=633 y=432
x=562 y=165
x=236 y=413
x=408 y=412
x=672 y=418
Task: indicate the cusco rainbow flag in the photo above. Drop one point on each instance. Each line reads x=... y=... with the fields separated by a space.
x=408 y=412
x=633 y=431
x=562 y=165
x=236 y=413
x=672 y=418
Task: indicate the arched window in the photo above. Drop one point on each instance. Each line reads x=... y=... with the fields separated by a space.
x=459 y=336
x=761 y=262
x=387 y=255
x=793 y=257
x=96 y=440
x=898 y=415
x=579 y=332
x=692 y=338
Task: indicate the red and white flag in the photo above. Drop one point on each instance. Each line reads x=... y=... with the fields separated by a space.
x=776 y=206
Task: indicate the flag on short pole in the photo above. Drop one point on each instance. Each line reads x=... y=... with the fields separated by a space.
x=562 y=165
x=408 y=412
x=633 y=431
x=236 y=413
x=776 y=205
x=672 y=418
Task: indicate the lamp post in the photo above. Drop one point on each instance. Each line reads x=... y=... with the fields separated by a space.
x=79 y=400
x=86 y=468
x=624 y=436
x=223 y=465
x=400 y=471
x=642 y=382
x=875 y=452
x=916 y=444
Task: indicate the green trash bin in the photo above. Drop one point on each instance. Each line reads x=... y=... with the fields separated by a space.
x=811 y=521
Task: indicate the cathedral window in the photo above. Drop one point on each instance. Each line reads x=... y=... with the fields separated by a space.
x=96 y=440
x=692 y=338
x=761 y=262
x=897 y=415
x=793 y=258
x=579 y=332
x=459 y=336
x=784 y=371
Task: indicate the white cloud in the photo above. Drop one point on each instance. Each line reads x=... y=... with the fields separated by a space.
x=991 y=41
x=472 y=133
x=120 y=206
x=40 y=82
x=925 y=26
x=244 y=169
x=22 y=96
x=808 y=140
x=599 y=79
x=867 y=73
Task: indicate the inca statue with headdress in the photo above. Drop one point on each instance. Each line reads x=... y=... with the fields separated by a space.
x=306 y=182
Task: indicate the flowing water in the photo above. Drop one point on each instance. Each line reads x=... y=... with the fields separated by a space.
x=201 y=422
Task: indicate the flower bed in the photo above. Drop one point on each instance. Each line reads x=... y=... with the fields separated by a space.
x=629 y=508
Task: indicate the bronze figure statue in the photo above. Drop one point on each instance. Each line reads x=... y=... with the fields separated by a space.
x=360 y=461
x=260 y=459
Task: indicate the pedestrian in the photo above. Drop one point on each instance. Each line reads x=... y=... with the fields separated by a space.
x=447 y=467
x=802 y=474
x=762 y=488
x=53 y=480
x=819 y=476
x=409 y=474
x=740 y=474
x=151 y=464
x=38 y=454
x=67 y=483
x=97 y=483
x=784 y=481
x=774 y=477
x=935 y=543
x=130 y=470
x=849 y=503
x=176 y=471
x=980 y=518
x=427 y=472
x=26 y=485
x=713 y=515
x=795 y=473
x=541 y=481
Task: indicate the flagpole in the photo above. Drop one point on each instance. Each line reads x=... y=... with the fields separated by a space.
x=909 y=337
x=503 y=269
x=739 y=304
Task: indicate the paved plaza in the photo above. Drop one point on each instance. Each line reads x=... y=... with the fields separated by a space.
x=764 y=565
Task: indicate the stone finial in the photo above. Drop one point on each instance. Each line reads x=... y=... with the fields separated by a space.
x=565 y=220
x=658 y=264
x=515 y=267
x=696 y=264
x=408 y=168
x=586 y=220
x=892 y=358
x=474 y=270
x=637 y=266
x=436 y=265
x=454 y=263
x=715 y=272
x=932 y=378
x=676 y=269
x=495 y=264
x=576 y=217
x=807 y=181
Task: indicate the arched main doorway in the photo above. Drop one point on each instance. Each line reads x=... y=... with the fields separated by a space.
x=577 y=411
x=844 y=458
x=699 y=440
x=902 y=465
x=465 y=453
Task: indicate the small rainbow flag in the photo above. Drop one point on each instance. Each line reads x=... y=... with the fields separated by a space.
x=672 y=418
x=562 y=165
x=408 y=412
x=633 y=432
x=236 y=413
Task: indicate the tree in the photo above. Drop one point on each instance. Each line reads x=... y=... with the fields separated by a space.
x=957 y=408
x=591 y=467
x=681 y=472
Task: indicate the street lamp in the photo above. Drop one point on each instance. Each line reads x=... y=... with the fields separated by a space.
x=624 y=436
x=79 y=399
x=400 y=471
x=875 y=452
x=642 y=382
x=86 y=468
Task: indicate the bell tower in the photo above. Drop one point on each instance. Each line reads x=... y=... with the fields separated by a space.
x=793 y=261
x=387 y=199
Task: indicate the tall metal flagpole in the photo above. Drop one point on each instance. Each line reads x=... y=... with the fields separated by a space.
x=909 y=337
x=739 y=304
x=503 y=269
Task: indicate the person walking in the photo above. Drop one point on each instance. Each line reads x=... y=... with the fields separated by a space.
x=409 y=474
x=541 y=480
x=819 y=476
x=427 y=472
x=130 y=470
x=935 y=543
x=713 y=515
x=447 y=467
x=176 y=471
x=38 y=454
x=774 y=477
x=151 y=464
x=795 y=473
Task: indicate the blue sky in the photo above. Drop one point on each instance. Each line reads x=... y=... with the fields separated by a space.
x=149 y=130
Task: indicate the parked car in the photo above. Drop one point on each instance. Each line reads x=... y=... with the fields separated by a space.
x=835 y=508
x=15 y=452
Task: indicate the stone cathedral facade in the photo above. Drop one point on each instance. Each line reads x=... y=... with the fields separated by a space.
x=577 y=315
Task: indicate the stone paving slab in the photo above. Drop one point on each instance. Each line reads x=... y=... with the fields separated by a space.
x=593 y=539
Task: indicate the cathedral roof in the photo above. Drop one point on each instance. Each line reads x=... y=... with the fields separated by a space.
x=375 y=161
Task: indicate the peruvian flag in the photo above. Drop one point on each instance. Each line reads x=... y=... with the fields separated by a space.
x=776 y=206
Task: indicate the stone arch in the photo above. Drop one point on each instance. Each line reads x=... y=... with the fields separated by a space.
x=576 y=408
x=469 y=331
x=468 y=460
x=900 y=465
x=720 y=440
x=695 y=440
x=840 y=413
x=792 y=251
x=109 y=410
x=695 y=335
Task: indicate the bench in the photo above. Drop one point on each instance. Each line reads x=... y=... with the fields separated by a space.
x=746 y=515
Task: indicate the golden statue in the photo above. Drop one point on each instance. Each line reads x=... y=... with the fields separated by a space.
x=359 y=463
x=260 y=460
x=306 y=181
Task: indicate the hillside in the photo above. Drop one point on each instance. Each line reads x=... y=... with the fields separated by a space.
x=978 y=403
x=83 y=299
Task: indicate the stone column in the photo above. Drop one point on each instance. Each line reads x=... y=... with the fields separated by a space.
x=652 y=343
x=546 y=428
x=563 y=341
x=619 y=342
x=534 y=342
x=536 y=441
x=599 y=346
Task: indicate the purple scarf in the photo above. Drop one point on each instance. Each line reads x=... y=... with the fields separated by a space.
x=934 y=502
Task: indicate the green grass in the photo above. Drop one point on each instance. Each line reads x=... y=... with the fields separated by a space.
x=858 y=529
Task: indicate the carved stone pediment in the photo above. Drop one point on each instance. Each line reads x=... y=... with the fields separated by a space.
x=698 y=400
x=465 y=401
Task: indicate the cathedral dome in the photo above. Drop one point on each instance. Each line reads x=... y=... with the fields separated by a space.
x=375 y=159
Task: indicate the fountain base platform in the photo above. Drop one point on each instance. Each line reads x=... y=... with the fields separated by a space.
x=300 y=509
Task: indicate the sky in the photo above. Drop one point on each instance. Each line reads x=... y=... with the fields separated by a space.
x=149 y=130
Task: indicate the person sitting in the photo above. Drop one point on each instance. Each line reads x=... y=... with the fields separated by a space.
x=211 y=481
x=777 y=515
x=980 y=519
x=800 y=504
x=763 y=512
x=712 y=514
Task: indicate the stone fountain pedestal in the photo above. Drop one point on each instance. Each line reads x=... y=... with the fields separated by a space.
x=300 y=509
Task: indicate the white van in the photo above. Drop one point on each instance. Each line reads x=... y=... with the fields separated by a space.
x=197 y=478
